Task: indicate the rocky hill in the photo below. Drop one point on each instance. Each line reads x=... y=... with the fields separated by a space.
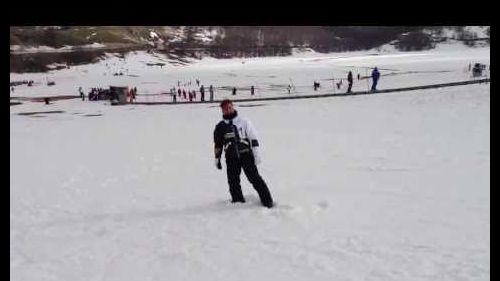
x=33 y=48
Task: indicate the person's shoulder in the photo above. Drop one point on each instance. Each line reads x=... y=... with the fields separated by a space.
x=220 y=124
x=244 y=119
x=240 y=117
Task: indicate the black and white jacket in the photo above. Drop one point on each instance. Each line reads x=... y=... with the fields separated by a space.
x=236 y=135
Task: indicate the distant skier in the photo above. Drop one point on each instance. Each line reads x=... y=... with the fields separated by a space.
x=349 y=80
x=237 y=138
x=477 y=70
x=197 y=82
x=179 y=92
x=316 y=85
x=289 y=88
x=359 y=76
x=134 y=94
x=202 y=93
x=339 y=84
x=375 y=77
x=252 y=90
x=82 y=95
x=234 y=91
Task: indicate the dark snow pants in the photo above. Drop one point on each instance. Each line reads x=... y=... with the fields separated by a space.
x=234 y=166
x=374 y=85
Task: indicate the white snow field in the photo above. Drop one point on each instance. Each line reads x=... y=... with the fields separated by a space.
x=376 y=187
x=269 y=75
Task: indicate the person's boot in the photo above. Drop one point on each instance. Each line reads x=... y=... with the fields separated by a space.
x=268 y=204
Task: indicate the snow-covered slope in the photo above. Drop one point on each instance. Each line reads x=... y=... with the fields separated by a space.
x=377 y=187
x=152 y=74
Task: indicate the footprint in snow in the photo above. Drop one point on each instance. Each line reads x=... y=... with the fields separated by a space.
x=322 y=204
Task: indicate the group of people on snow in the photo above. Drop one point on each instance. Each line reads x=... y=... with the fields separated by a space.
x=183 y=91
x=186 y=93
x=375 y=76
x=106 y=94
x=191 y=95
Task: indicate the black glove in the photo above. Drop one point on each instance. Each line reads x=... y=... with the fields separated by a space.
x=218 y=164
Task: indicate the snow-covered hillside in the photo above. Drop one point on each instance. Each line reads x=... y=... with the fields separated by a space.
x=153 y=74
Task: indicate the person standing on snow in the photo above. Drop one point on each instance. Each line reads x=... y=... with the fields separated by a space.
x=349 y=80
x=202 y=93
x=316 y=85
x=82 y=96
x=375 y=77
x=339 y=84
x=134 y=94
x=237 y=137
